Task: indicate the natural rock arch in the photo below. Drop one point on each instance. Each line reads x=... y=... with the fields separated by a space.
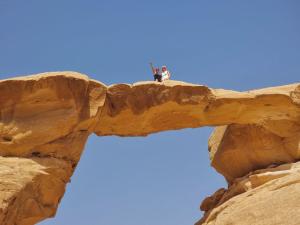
x=46 y=119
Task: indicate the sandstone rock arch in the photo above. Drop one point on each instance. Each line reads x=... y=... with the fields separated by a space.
x=45 y=120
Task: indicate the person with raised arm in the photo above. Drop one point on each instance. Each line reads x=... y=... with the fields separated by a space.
x=156 y=73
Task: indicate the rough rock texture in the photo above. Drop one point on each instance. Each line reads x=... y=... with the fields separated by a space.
x=263 y=197
x=156 y=107
x=31 y=188
x=44 y=123
x=46 y=119
x=253 y=146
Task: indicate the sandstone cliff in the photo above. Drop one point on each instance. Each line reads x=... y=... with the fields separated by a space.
x=45 y=120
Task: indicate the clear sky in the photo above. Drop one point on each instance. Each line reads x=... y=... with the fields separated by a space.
x=160 y=179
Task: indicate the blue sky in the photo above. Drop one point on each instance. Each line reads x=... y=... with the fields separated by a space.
x=160 y=179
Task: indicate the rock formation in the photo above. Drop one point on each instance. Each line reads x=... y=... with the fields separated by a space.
x=45 y=120
x=267 y=197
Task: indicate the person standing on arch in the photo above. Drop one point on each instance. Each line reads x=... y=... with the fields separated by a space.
x=165 y=74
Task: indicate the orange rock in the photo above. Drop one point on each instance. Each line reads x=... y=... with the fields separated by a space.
x=45 y=120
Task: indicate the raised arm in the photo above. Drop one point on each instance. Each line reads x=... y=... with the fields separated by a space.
x=152 y=68
x=169 y=74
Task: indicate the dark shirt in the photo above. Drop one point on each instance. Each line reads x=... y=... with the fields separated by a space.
x=157 y=77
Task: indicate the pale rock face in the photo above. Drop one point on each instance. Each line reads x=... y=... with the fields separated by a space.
x=46 y=119
x=264 y=197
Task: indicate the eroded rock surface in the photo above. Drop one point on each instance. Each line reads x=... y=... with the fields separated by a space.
x=253 y=146
x=264 y=197
x=156 y=107
x=31 y=188
x=46 y=119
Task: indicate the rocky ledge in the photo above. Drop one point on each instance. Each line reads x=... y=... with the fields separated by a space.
x=45 y=120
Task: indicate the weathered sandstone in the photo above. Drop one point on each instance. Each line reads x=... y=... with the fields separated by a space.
x=31 y=188
x=253 y=146
x=45 y=120
x=263 y=197
x=156 y=107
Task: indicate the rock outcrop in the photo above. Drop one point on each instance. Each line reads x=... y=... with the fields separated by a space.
x=44 y=123
x=264 y=197
x=45 y=120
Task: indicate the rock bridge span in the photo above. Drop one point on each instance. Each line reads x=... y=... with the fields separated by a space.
x=45 y=120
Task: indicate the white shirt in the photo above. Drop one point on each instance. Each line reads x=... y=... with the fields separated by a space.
x=165 y=75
